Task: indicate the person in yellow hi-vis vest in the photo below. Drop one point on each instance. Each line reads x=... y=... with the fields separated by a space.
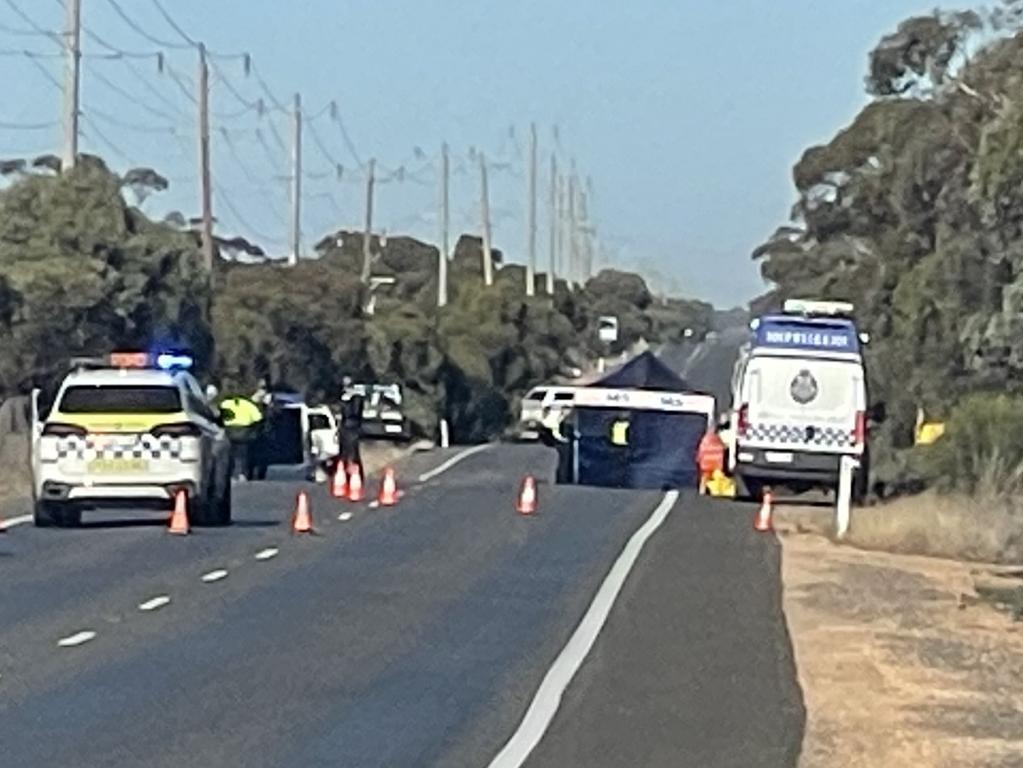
x=620 y=432
x=242 y=422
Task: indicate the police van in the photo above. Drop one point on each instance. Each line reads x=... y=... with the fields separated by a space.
x=132 y=429
x=799 y=400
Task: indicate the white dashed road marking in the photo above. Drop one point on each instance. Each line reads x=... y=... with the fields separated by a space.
x=344 y=517
x=548 y=696
x=266 y=554
x=374 y=504
x=13 y=521
x=452 y=461
x=216 y=575
x=154 y=603
x=76 y=639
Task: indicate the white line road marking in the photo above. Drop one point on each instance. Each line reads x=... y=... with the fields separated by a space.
x=548 y=696
x=13 y=521
x=452 y=461
x=344 y=517
x=374 y=504
x=266 y=554
x=78 y=638
x=153 y=604
x=216 y=575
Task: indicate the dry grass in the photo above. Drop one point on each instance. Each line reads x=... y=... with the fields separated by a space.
x=987 y=529
x=14 y=471
x=984 y=529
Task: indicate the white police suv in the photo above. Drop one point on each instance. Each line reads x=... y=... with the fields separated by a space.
x=130 y=430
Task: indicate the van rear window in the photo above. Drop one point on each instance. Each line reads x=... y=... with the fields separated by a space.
x=536 y=394
x=121 y=399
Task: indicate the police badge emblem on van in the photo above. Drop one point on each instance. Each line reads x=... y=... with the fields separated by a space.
x=804 y=387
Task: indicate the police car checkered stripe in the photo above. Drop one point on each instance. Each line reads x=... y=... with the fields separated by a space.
x=143 y=447
x=790 y=434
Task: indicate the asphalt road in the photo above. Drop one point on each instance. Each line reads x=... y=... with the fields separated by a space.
x=411 y=636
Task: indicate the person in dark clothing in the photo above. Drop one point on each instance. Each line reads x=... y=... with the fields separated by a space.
x=350 y=429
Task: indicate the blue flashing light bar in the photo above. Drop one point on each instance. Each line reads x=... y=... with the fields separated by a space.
x=170 y=361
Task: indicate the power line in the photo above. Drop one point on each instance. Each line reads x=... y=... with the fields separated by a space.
x=274 y=101
x=131 y=97
x=186 y=87
x=46 y=73
x=34 y=27
x=242 y=220
x=152 y=88
x=95 y=131
x=28 y=126
x=141 y=31
x=174 y=25
x=137 y=127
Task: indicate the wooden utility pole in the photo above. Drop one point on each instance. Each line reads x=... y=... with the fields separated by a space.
x=72 y=84
x=488 y=257
x=562 y=267
x=584 y=238
x=531 y=207
x=205 y=185
x=296 y=182
x=553 y=219
x=442 y=258
x=572 y=240
x=367 y=234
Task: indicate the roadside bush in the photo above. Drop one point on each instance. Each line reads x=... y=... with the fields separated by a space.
x=982 y=450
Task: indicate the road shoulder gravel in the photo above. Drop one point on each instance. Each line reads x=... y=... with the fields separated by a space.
x=899 y=661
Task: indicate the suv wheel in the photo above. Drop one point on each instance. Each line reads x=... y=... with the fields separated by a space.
x=50 y=514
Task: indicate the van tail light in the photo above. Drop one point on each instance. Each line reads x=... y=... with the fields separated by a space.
x=860 y=430
x=182 y=429
x=742 y=420
x=64 y=430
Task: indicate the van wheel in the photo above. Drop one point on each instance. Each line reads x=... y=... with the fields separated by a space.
x=749 y=488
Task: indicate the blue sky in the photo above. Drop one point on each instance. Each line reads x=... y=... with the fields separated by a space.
x=687 y=114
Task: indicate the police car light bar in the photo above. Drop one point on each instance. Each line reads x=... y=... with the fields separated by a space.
x=822 y=308
x=171 y=361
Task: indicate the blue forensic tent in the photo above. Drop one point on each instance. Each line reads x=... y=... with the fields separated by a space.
x=664 y=428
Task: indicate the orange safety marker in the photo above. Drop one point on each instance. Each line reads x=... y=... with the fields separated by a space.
x=763 y=521
x=339 y=482
x=526 y=504
x=388 y=496
x=302 y=520
x=179 y=518
x=355 y=489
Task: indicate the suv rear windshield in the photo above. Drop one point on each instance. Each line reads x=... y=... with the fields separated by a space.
x=121 y=399
x=318 y=421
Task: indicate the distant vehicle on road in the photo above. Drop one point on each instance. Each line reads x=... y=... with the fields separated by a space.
x=383 y=414
x=799 y=400
x=538 y=404
x=132 y=429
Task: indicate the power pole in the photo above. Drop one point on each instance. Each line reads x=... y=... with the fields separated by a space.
x=562 y=268
x=205 y=186
x=531 y=264
x=584 y=238
x=72 y=86
x=488 y=257
x=367 y=235
x=442 y=260
x=296 y=182
x=572 y=244
x=553 y=225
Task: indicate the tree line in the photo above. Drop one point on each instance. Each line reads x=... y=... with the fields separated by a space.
x=914 y=212
x=83 y=271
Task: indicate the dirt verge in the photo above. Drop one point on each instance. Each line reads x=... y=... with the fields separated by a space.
x=900 y=661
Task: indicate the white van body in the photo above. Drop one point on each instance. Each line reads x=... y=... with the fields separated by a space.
x=538 y=403
x=799 y=404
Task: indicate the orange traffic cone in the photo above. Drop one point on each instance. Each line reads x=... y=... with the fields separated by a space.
x=388 y=489
x=179 y=518
x=526 y=504
x=355 y=491
x=302 y=520
x=762 y=522
x=339 y=482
